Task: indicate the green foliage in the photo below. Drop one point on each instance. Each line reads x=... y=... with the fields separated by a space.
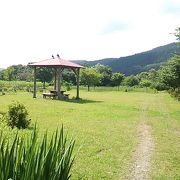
x=153 y=75
x=175 y=93
x=159 y=86
x=8 y=74
x=145 y=83
x=69 y=76
x=17 y=72
x=17 y=116
x=44 y=75
x=68 y=86
x=106 y=74
x=170 y=73
x=131 y=81
x=143 y=75
x=18 y=85
x=90 y=77
x=116 y=79
x=33 y=159
x=177 y=34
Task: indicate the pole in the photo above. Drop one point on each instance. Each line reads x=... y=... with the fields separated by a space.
x=55 y=77
x=78 y=71
x=34 y=92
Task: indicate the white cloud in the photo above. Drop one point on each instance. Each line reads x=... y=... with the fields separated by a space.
x=79 y=29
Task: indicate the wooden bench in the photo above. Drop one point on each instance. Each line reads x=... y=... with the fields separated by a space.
x=49 y=95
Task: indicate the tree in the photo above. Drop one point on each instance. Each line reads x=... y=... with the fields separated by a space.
x=90 y=77
x=131 y=81
x=143 y=75
x=44 y=75
x=8 y=74
x=17 y=72
x=1 y=74
x=177 y=35
x=145 y=83
x=170 y=73
x=69 y=76
x=116 y=79
x=152 y=75
x=106 y=73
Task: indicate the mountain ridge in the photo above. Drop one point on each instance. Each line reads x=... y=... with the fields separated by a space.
x=136 y=63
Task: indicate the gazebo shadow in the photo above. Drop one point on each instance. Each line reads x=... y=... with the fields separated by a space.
x=80 y=101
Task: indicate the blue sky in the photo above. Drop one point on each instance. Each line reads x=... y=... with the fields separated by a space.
x=33 y=30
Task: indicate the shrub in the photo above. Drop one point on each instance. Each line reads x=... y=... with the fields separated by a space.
x=33 y=159
x=17 y=116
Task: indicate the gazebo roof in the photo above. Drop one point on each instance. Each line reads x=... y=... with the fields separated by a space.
x=56 y=62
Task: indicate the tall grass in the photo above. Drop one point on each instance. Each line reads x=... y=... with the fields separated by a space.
x=29 y=159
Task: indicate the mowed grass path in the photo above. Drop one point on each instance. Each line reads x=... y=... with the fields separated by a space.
x=104 y=125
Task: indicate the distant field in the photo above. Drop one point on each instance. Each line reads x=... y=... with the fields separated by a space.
x=104 y=126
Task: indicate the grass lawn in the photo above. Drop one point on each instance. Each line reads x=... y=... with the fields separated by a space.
x=104 y=126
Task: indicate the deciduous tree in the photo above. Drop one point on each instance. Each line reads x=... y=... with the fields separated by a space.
x=106 y=74
x=116 y=79
x=90 y=77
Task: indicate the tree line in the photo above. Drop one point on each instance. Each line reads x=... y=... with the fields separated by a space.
x=166 y=78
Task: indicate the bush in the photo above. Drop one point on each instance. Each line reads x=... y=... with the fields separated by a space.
x=175 y=93
x=30 y=158
x=17 y=116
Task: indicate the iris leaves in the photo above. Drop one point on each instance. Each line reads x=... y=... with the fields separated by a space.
x=34 y=159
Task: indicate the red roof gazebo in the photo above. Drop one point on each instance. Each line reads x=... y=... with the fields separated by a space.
x=58 y=65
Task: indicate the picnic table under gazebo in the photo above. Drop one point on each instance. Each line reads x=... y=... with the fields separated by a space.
x=58 y=65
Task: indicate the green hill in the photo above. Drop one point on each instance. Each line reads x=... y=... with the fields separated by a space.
x=137 y=63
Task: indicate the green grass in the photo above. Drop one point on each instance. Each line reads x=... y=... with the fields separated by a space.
x=104 y=126
x=166 y=131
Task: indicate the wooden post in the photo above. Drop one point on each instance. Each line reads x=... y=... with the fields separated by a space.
x=59 y=81
x=34 y=92
x=77 y=72
x=55 y=77
x=77 y=79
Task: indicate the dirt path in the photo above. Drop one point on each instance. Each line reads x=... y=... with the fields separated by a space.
x=142 y=161
x=142 y=165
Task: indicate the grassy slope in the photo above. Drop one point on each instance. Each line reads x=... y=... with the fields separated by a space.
x=104 y=125
x=164 y=117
